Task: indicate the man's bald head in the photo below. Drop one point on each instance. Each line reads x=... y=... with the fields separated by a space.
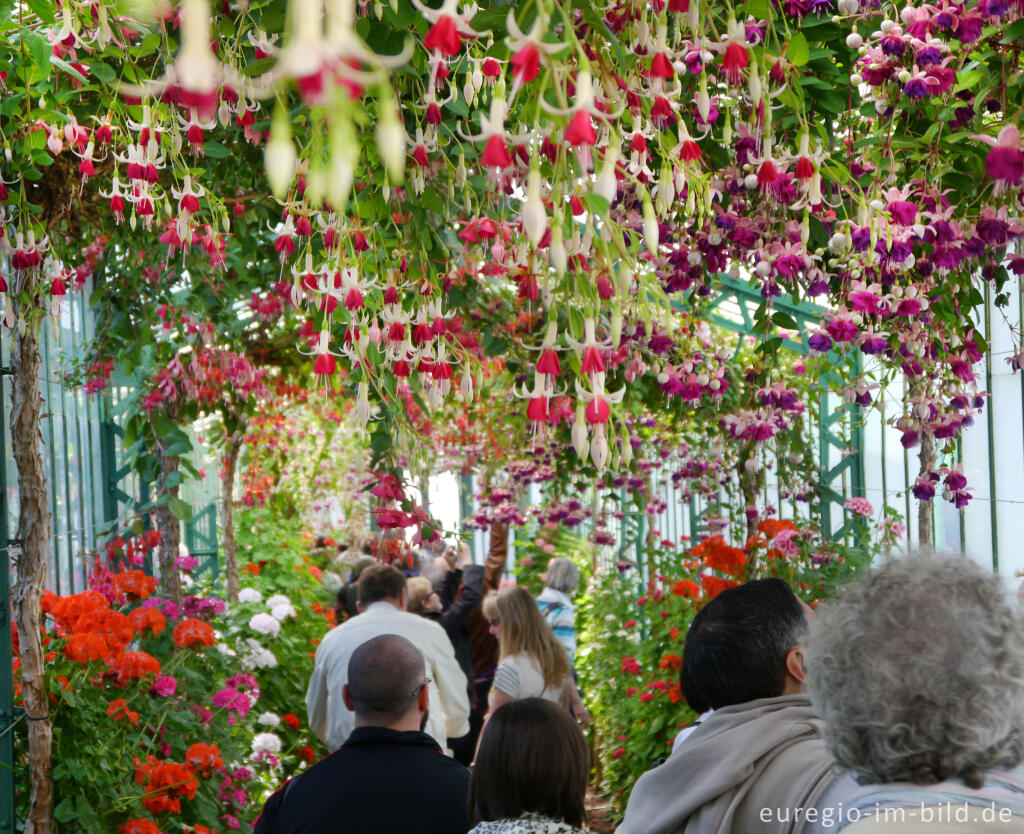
x=385 y=675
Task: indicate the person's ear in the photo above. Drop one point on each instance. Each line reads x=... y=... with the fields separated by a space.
x=346 y=696
x=795 y=667
x=423 y=699
x=360 y=607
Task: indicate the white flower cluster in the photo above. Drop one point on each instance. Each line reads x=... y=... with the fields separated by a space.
x=256 y=656
x=268 y=719
x=249 y=595
x=266 y=743
x=265 y=624
x=281 y=607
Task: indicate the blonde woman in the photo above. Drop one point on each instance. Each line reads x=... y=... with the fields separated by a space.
x=532 y=663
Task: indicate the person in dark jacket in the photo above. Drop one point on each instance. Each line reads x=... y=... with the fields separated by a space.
x=354 y=788
x=460 y=593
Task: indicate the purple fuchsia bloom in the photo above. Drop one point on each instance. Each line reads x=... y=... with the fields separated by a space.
x=924 y=487
x=841 y=327
x=968 y=27
x=917 y=86
x=1005 y=161
x=873 y=344
x=819 y=342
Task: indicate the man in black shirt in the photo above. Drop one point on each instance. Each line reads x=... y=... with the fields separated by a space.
x=388 y=776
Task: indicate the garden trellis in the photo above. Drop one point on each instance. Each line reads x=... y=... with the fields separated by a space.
x=499 y=231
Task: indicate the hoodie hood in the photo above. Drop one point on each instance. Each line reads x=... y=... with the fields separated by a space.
x=769 y=749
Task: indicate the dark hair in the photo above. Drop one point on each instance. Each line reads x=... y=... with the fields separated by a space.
x=736 y=647
x=383 y=674
x=379 y=582
x=532 y=758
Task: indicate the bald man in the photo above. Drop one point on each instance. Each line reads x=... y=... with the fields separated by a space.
x=389 y=775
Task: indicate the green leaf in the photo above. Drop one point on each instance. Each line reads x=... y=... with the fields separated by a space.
x=494 y=346
x=103 y=72
x=148 y=467
x=215 y=150
x=179 y=509
x=596 y=204
x=65 y=811
x=785 y=320
x=40 y=50
x=43 y=8
x=1014 y=32
x=173 y=480
x=798 y=52
x=758 y=8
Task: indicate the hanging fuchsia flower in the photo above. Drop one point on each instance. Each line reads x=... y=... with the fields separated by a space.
x=449 y=27
x=526 y=64
x=734 y=61
x=900 y=209
x=661 y=67
x=1005 y=162
x=444 y=37
x=548 y=363
x=581 y=130
x=496 y=153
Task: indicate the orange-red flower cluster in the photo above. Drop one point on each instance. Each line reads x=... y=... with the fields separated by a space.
x=771 y=527
x=118 y=708
x=718 y=555
x=129 y=665
x=671 y=661
x=95 y=631
x=138 y=826
x=165 y=784
x=686 y=588
x=148 y=618
x=714 y=585
x=194 y=634
x=204 y=757
x=134 y=583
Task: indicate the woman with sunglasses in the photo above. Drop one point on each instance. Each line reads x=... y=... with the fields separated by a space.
x=532 y=662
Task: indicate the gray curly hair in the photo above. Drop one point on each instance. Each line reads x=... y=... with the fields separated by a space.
x=918 y=673
x=563 y=575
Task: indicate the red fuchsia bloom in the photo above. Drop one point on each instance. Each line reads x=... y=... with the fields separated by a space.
x=690 y=151
x=679 y=6
x=548 y=363
x=593 y=361
x=526 y=64
x=804 y=168
x=734 y=61
x=496 y=153
x=444 y=37
x=581 y=130
x=661 y=67
x=598 y=411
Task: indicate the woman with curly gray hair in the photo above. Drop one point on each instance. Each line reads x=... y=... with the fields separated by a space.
x=918 y=672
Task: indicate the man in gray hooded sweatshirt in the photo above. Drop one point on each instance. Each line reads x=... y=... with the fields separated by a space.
x=758 y=761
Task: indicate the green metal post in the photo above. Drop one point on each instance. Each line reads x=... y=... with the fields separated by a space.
x=993 y=514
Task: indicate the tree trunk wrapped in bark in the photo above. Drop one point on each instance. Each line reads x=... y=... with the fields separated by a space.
x=924 y=507
x=31 y=557
x=170 y=531
x=230 y=554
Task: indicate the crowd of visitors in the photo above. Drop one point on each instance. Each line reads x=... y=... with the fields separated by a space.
x=898 y=708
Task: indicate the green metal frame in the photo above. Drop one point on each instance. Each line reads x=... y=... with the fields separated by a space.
x=200 y=536
x=851 y=464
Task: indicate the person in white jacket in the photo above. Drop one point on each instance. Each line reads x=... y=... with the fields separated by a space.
x=381 y=601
